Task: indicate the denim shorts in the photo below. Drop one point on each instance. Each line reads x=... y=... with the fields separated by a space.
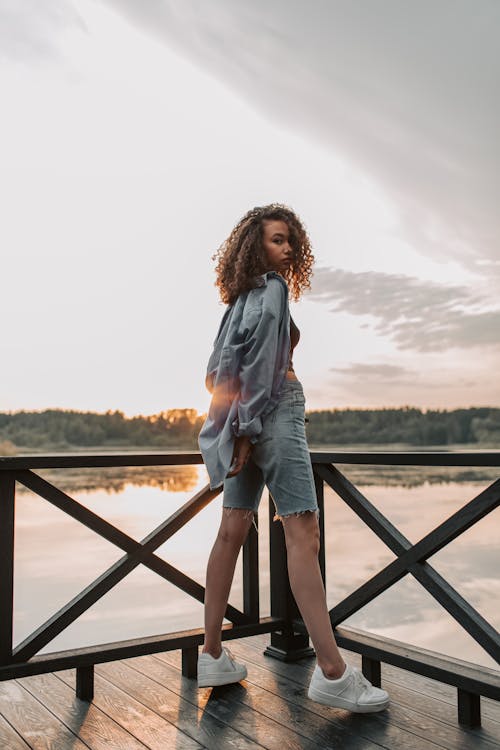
x=279 y=459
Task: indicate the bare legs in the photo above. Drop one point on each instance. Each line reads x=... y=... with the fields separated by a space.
x=302 y=548
x=220 y=571
x=302 y=541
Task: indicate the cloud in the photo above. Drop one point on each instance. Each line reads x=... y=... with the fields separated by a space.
x=381 y=371
x=407 y=91
x=30 y=30
x=377 y=378
x=416 y=314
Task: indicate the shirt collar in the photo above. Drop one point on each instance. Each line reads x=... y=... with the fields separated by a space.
x=268 y=274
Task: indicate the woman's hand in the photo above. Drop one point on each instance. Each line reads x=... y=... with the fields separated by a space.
x=241 y=454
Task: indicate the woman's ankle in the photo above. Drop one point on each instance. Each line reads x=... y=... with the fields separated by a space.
x=214 y=651
x=333 y=671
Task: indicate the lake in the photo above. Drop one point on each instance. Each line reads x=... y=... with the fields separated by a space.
x=55 y=557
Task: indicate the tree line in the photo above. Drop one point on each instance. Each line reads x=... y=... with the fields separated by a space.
x=405 y=425
x=60 y=429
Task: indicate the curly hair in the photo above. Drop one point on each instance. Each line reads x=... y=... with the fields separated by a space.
x=242 y=256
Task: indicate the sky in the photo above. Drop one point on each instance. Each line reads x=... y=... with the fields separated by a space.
x=133 y=138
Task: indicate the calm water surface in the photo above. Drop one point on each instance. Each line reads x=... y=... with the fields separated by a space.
x=56 y=557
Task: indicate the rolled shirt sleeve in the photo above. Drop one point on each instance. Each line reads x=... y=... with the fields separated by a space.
x=258 y=361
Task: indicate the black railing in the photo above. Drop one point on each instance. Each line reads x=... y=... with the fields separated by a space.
x=288 y=636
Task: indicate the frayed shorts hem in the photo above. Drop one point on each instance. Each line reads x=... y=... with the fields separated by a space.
x=247 y=513
x=296 y=514
x=277 y=517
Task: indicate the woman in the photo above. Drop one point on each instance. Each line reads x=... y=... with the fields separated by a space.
x=254 y=435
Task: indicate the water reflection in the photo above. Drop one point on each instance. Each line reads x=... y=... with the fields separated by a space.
x=114 y=480
x=416 y=476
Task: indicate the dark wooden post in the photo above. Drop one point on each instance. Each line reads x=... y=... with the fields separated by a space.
x=7 y=515
x=189 y=664
x=320 y=496
x=85 y=682
x=251 y=604
x=371 y=670
x=286 y=645
x=469 y=708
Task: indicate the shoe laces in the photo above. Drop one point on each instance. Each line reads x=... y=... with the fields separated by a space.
x=230 y=655
x=360 y=680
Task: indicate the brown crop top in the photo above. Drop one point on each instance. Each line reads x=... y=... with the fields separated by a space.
x=294 y=339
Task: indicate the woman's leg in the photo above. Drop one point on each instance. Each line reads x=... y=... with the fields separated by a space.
x=302 y=544
x=232 y=533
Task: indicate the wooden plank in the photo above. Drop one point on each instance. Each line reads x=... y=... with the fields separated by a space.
x=93 y=726
x=397 y=676
x=422 y=723
x=279 y=696
x=201 y=726
x=243 y=709
x=9 y=738
x=144 y=724
x=40 y=729
x=419 y=715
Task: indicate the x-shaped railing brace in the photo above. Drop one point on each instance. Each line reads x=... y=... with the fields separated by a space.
x=412 y=557
x=136 y=553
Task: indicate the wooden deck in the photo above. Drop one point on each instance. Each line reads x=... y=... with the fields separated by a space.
x=145 y=702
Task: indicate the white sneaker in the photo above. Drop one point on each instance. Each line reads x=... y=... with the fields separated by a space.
x=222 y=671
x=352 y=691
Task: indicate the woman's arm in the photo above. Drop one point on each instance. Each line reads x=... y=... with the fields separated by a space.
x=241 y=453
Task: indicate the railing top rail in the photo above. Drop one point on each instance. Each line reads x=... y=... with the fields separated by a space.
x=176 y=458
x=88 y=460
x=408 y=458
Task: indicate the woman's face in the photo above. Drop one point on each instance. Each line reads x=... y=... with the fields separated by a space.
x=276 y=244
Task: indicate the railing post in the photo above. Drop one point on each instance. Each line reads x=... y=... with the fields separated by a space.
x=285 y=645
x=371 y=669
x=469 y=708
x=85 y=682
x=320 y=496
x=189 y=662
x=251 y=604
x=7 y=520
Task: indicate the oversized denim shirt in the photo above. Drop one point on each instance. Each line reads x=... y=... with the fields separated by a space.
x=246 y=371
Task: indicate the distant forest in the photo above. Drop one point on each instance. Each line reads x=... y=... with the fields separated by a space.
x=177 y=429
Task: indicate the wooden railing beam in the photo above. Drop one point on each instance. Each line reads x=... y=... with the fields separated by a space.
x=102 y=653
x=251 y=593
x=431 y=580
x=289 y=638
x=7 y=521
x=137 y=553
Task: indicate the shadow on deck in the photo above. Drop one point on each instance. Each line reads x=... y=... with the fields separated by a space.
x=145 y=702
